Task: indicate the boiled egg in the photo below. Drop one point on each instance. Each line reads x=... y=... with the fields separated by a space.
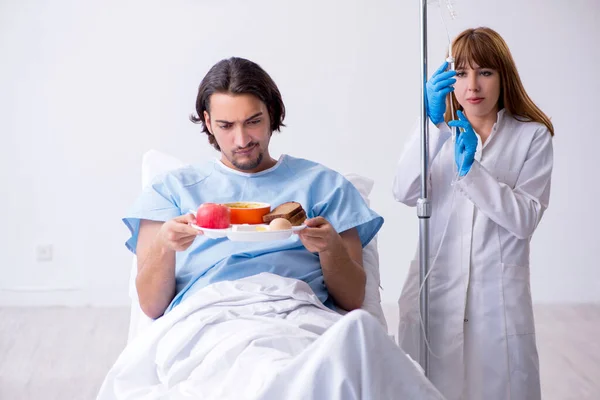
x=280 y=224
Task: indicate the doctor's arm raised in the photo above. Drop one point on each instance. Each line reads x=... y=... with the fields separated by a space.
x=407 y=183
x=518 y=209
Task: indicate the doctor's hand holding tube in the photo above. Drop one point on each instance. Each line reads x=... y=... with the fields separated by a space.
x=465 y=144
x=437 y=89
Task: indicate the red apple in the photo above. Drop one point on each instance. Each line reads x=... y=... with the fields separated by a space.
x=213 y=216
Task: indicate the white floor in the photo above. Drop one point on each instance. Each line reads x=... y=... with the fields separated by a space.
x=63 y=353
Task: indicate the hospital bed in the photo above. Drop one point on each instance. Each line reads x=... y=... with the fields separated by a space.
x=263 y=337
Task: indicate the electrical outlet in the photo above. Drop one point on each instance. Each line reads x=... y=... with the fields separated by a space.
x=44 y=252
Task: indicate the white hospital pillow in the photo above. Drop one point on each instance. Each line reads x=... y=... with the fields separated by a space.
x=155 y=163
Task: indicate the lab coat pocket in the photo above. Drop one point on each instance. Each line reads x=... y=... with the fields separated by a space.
x=518 y=309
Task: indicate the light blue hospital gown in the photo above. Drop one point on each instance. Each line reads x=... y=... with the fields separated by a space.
x=321 y=191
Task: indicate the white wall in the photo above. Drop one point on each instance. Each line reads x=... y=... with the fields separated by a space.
x=87 y=87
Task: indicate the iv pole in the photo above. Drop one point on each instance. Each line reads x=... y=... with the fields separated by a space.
x=423 y=204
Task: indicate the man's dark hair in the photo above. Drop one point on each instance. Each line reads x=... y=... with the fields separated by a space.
x=238 y=76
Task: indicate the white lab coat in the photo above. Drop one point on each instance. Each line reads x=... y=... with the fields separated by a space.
x=480 y=313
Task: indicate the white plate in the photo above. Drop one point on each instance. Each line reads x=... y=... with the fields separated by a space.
x=213 y=233
x=249 y=233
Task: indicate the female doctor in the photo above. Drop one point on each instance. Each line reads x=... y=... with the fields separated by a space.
x=490 y=186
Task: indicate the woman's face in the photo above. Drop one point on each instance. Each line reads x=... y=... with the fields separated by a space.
x=477 y=90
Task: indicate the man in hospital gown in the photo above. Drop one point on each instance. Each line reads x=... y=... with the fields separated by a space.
x=255 y=319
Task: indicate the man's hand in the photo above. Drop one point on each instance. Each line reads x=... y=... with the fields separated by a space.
x=319 y=236
x=341 y=261
x=177 y=234
x=156 y=247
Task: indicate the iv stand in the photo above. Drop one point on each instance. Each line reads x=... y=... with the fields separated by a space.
x=423 y=204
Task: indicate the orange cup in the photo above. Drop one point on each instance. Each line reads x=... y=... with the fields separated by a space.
x=248 y=212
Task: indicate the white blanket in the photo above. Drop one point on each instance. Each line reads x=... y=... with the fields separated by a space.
x=263 y=337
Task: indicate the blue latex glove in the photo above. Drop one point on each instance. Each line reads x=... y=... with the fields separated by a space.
x=437 y=88
x=465 y=145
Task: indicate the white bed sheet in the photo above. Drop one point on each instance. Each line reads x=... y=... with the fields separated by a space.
x=264 y=337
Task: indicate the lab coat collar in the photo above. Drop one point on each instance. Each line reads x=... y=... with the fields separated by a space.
x=495 y=127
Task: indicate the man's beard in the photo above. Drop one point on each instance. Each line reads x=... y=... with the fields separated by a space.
x=247 y=165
